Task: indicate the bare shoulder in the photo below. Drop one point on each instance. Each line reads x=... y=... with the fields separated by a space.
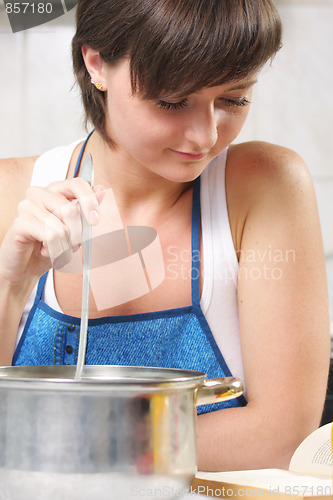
x=268 y=162
x=263 y=176
x=15 y=174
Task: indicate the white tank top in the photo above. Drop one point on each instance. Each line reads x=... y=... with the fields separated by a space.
x=219 y=294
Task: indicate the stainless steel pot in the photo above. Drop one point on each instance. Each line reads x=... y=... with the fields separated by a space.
x=118 y=433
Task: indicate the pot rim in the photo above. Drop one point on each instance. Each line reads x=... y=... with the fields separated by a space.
x=97 y=378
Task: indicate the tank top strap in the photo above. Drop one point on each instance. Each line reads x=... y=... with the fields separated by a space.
x=195 y=243
x=77 y=166
x=40 y=287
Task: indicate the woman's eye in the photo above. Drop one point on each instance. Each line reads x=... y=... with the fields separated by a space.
x=225 y=101
x=235 y=102
x=174 y=106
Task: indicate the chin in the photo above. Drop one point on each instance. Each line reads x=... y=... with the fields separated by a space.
x=188 y=174
x=181 y=172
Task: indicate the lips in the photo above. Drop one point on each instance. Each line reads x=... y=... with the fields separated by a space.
x=188 y=156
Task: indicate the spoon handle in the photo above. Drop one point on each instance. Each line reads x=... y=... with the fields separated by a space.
x=87 y=174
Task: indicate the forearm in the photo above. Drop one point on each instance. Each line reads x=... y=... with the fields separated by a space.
x=245 y=438
x=12 y=302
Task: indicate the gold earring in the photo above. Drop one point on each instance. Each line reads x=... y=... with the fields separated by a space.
x=98 y=85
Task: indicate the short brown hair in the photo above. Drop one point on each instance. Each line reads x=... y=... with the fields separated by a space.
x=174 y=46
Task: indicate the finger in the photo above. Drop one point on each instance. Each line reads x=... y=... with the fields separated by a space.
x=90 y=213
x=60 y=231
x=35 y=221
x=57 y=240
x=57 y=194
x=28 y=227
x=81 y=190
x=71 y=217
x=99 y=192
x=36 y=226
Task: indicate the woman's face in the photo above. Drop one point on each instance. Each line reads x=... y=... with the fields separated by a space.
x=171 y=137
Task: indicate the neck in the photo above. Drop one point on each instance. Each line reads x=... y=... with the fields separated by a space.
x=137 y=190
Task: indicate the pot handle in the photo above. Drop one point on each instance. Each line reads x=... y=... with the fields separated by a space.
x=215 y=390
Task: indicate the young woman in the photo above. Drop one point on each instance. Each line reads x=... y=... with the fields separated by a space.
x=167 y=86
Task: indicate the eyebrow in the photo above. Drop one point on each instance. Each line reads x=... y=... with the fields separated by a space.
x=244 y=85
x=240 y=86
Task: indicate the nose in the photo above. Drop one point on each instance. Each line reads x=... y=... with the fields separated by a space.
x=201 y=130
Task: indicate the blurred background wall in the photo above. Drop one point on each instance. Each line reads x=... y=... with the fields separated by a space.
x=292 y=104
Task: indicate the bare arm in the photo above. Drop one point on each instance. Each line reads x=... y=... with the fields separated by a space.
x=37 y=227
x=283 y=311
x=15 y=174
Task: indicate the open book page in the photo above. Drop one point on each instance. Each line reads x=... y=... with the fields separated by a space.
x=310 y=475
x=314 y=454
x=274 y=481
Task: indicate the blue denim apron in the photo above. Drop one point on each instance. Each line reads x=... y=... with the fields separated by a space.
x=173 y=338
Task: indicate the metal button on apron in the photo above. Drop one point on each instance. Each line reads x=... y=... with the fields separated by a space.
x=69 y=349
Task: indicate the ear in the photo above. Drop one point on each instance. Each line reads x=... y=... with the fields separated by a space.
x=95 y=65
